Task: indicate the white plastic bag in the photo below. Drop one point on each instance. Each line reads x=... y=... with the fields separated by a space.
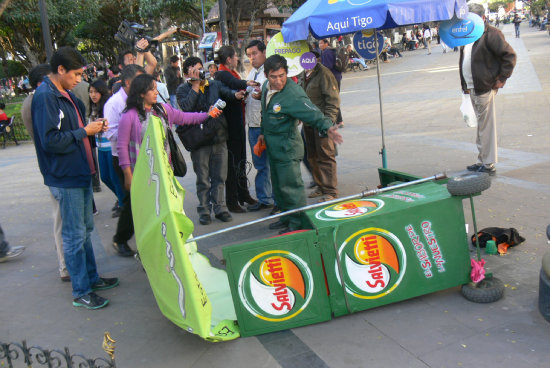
x=468 y=113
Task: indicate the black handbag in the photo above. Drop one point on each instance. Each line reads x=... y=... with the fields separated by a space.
x=178 y=162
x=211 y=131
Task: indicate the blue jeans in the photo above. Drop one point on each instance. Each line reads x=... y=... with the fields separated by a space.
x=75 y=205
x=174 y=102
x=360 y=61
x=108 y=174
x=263 y=180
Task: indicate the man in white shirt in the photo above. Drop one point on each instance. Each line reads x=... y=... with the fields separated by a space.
x=255 y=51
x=112 y=112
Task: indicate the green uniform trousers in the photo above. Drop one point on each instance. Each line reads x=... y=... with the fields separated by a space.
x=288 y=188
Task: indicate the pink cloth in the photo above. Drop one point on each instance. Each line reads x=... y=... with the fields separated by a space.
x=129 y=131
x=478 y=272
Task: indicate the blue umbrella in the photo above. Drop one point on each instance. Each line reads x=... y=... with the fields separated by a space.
x=328 y=18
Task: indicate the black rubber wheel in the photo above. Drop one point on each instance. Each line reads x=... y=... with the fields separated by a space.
x=467 y=184
x=486 y=291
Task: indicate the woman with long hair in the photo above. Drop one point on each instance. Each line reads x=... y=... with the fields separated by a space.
x=99 y=94
x=141 y=103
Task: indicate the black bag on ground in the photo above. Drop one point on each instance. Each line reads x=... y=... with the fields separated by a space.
x=499 y=235
x=178 y=162
x=211 y=131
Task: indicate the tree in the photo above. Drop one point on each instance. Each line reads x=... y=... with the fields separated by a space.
x=21 y=33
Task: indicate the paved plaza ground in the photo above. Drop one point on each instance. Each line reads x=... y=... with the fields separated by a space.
x=424 y=135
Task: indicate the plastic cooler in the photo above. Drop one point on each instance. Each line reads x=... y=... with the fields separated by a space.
x=358 y=254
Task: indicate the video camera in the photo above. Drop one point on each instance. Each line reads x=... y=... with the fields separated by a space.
x=130 y=33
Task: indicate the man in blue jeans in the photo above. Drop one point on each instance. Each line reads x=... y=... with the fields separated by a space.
x=255 y=51
x=63 y=149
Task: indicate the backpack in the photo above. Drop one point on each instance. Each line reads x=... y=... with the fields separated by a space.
x=342 y=59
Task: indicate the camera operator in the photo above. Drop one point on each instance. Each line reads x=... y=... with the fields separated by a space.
x=142 y=56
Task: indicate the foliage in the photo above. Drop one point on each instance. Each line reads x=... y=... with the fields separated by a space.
x=538 y=6
x=21 y=31
x=494 y=5
x=12 y=68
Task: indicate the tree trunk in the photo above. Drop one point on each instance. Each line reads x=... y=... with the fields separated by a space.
x=249 y=31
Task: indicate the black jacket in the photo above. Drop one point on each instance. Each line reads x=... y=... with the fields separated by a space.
x=233 y=111
x=492 y=59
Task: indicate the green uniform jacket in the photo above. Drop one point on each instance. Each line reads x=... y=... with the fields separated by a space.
x=280 y=119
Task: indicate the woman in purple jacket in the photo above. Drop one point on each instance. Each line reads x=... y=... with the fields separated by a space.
x=141 y=103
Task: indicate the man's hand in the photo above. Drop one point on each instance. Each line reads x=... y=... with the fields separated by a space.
x=261 y=140
x=335 y=135
x=252 y=83
x=142 y=45
x=97 y=126
x=193 y=75
x=257 y=95
x=498 y=84
x=239 y=95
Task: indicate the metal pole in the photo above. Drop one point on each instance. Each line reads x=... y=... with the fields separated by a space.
x=383 y=151
x=323 y=204
x=202 y=10
x=45 y=29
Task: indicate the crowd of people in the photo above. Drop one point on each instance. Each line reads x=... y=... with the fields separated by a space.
x=84 y=130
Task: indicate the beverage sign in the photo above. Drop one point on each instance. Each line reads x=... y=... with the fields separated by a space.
x=275 y=285
x=291 y=51
x=365 y=45
x=373 y=263
x=349 y=209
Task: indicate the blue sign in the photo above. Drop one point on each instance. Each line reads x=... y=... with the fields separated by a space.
x=459 y=32
x=364 y=44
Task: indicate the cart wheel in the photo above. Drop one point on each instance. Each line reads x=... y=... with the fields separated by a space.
x=467 y=184
x=486 y=291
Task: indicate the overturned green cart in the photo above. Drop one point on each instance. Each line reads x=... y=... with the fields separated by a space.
x=358 y=253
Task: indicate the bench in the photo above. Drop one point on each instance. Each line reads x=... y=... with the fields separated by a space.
x=7 y=131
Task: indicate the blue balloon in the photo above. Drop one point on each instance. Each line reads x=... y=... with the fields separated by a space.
x=363 y=42
x=459 y=32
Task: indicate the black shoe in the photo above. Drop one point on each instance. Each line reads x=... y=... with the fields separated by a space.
x=278 y=225
x=235 y=208
x=312 y=184
x=205 y=219
x=97 y=189
x=115 y=207
x=116 y=212
x=275 y=211
x=90 y=301
x=123 y=249
x=491 y=170
x=474 y=167
x=105 y=283
x=224 y=216
x=65 y=278
x=248 y=200
x=258 y=206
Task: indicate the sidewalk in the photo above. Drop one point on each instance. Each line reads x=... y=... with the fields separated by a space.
x=425 y=135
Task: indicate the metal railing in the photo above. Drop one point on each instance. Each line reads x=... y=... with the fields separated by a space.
x=35 y=356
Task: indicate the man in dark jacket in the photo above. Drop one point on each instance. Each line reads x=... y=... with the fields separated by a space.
x=284 y=104
x=63 y=149
x=209 y=161
x=484 y=67
x=322 y=89
x=236 y=185
x=173 y=79
x=328 y=59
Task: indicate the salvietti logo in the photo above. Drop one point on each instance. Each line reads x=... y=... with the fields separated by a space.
x=373 y=263
x=349 y=209
x=275 y=286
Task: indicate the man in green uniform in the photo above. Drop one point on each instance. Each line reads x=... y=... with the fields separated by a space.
x=284 y=104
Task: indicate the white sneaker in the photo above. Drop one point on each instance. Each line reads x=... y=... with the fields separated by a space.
x=12 y=253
